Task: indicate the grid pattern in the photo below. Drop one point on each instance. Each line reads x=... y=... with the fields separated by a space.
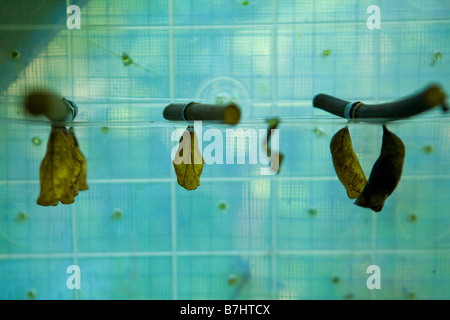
x=285 y=237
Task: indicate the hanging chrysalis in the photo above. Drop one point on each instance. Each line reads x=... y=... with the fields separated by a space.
x=188 y=161
x=83 y=174
x=63 y=170
x=385 y=174
x=60 y=173
x=346 y=163
x=275 y=157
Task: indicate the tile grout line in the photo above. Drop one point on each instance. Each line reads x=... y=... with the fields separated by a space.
x=325 y=252
x=374 y=248
x=174 y=241
x=171 y=54
x=274 y=183
x=159 y=101
x=219 y=26
x=313 y=85
x=274 y=240
x=223 y=179
x=377 y=97
x=173 y=208
x=71 y=88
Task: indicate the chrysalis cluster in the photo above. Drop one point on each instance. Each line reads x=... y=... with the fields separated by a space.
x=385 y=174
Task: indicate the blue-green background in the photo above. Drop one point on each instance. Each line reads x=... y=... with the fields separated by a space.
x=176 y=244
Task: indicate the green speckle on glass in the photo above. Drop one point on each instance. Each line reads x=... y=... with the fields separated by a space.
x=117 y=214
x=313 y=212
x=245 y=3
x=263 y=88
x=21 y=217
x=436 y=57
x=232 y=279
x=349 y=296
x=326 y=52
x=336 y=280
x=428 y=149
x=412 y=218
x=220 y=100
x=31 y=294
x=298 y=35
x=411 y=296
x=222 y=205
x=319 y=133
x=104 y=130
x=15 y=54
x=36 y=141
x=126 y=59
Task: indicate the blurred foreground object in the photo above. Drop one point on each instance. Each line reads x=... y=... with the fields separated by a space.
x=414 y=104
x=56 y=109
x=188 y=161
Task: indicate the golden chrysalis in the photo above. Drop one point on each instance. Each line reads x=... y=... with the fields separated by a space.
x=188 y=161
x=62 y=169
x=346 y=163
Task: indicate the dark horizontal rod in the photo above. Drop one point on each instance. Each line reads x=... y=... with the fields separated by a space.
x=408 y=106
x=193 y=111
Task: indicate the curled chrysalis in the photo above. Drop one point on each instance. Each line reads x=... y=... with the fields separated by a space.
x=346 y=163
x=275 y=157
x=385 y=174
x=188 y=161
